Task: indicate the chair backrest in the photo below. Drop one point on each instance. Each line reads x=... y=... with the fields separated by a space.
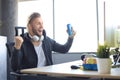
x=10 y=46
x=19 y=28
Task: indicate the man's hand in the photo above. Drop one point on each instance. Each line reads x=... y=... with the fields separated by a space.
x=73 y=33
x=18 y=42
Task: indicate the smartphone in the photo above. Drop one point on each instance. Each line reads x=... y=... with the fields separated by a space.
x=69 y=26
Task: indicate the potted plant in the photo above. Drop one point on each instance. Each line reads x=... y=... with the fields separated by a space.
x=103 y=51
x=103 y=58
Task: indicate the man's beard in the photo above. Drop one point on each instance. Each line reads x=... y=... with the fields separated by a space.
x=35 y=32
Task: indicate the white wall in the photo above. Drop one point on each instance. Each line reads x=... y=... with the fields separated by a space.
x=3 y=58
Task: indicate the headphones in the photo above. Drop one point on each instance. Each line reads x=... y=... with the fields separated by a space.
x=36 y=38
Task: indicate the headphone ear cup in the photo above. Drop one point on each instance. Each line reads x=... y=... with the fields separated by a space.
x=42 y=38
x=36 y=38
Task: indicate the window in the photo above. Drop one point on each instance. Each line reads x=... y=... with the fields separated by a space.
x=81 y=14
x=109 y=19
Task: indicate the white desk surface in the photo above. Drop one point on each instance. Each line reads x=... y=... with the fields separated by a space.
x=64 y=69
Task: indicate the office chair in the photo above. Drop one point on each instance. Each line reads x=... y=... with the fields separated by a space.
x=9 y=45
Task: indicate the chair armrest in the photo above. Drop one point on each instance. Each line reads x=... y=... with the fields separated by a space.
x=18 y=74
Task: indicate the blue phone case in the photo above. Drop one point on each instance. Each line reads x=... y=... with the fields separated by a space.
x=69 y=29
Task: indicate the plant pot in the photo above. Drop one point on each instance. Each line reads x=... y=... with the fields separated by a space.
x=104 y=65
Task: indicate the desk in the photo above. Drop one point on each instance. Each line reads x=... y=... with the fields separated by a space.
x=65 y=70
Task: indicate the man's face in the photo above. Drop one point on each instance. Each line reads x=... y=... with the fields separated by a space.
x=36 y=26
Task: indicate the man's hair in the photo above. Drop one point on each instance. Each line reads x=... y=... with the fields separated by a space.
x=33 y=16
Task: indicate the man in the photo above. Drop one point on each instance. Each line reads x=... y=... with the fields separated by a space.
x=34 y=49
